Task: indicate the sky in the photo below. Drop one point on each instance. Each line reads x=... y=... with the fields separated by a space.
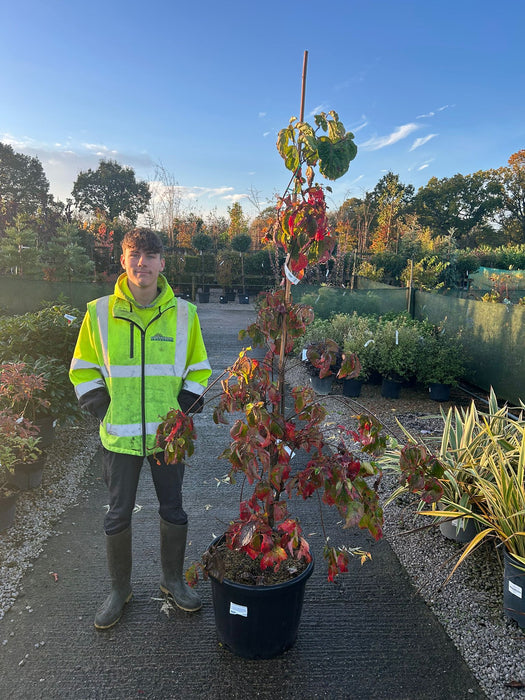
x=201 y=89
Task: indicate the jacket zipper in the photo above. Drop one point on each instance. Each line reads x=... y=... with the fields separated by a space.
x=142 y=369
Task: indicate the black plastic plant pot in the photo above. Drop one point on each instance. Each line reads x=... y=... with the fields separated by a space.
x=28 y=476
x=390 y=388
x=439 y=392
x=244 y=299
x=259 y=622
x=322 y=386
x=7 y=509
x=46 y=430
x=514 y=590
x=352 y=387
x=223 y=299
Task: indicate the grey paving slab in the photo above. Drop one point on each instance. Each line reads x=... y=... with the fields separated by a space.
x=369 y=636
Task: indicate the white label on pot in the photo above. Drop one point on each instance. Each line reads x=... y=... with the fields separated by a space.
x=304 y=355
x=238 y=610
x=515 y=590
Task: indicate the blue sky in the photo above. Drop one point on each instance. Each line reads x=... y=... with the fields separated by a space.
x=202 y=88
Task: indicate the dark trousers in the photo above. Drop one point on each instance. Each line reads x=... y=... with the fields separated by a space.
x=121 y=474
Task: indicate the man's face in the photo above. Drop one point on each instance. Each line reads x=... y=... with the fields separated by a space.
x=142 y=268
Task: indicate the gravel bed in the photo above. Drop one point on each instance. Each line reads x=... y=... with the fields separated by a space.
x=469 y=606
x=38 y=510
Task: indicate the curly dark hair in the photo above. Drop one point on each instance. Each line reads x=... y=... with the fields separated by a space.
x=143 y=239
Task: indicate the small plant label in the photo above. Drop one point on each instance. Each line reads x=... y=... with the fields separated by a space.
x=238 y=610
x=515 y=590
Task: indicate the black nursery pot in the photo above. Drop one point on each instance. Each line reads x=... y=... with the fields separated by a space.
x=7 y=509
x=28 y=476
x=439 y=392
x=259 y=622
x=390 y=388
x=514 y=590
x=352 y=387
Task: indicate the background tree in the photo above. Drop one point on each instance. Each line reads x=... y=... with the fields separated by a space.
x=186 y=228
x=19 y=253
x=24 y=188
x=111 y=190
x=391 y=199
x=164 y=208
x=241 y=244
x=512 y=181
x=238 y=221
x=217 y=227
x=65 y=258
x=465 y=204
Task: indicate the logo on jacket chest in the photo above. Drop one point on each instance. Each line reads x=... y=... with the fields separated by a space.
x=162 y=338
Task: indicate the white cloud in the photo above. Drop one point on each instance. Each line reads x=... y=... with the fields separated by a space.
x=262 y=114
x=355 y=129
x=235 y=197
x=422 y=167
x=267 y=133
x=399 y=133
x=317 y=110
x=420 y=142
x=423 y=116
x=62 y=163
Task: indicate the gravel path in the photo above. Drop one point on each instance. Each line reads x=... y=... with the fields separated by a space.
x=469 y=606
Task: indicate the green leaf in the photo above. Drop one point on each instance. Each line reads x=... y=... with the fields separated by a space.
x=335 y=157
x=287 y=148
x=320 y=120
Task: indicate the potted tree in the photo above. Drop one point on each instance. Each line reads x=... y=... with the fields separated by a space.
x=440 y=364
x=242 y=243
x=359 y=339
x=203 y=243
x=323 y=362
x=272 y=424
x=396 y=352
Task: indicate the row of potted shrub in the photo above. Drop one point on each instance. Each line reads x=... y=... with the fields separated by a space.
x=396 y=348
x=35 y=394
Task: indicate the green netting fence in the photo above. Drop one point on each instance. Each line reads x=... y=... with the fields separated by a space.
x=493 y=334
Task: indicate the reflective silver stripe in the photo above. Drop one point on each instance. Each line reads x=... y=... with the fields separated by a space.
x=197 y=366
x=193 y=387
x=102 y=313
x=77 y=363
x=84 y=387
x=130 y=429
x=181 y=339
x=134 y=371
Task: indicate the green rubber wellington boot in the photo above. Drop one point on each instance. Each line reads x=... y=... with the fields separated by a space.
x=118 y=551
x=172 y=582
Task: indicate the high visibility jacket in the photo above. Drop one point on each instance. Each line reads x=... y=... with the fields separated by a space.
x=143 y=357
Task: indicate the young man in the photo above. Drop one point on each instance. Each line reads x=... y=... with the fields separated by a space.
x=140 y=353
